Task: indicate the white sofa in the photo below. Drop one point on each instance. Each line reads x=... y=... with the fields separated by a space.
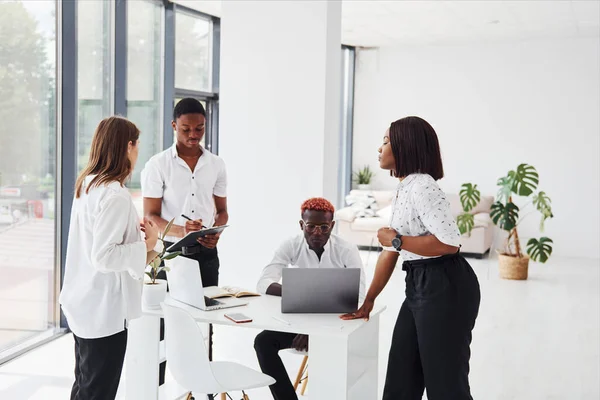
x=363 y=231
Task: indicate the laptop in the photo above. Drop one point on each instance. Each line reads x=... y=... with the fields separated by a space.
x=320 y=290
x=185 y=285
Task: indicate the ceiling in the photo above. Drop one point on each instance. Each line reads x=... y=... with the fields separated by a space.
x=378 y=23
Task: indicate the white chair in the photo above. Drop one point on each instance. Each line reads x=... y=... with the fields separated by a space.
x=302 y=376
x=189 y=364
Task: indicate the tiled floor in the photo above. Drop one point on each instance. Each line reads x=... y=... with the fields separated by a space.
x=534 y=340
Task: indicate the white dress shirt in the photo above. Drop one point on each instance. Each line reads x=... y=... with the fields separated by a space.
x=295 y=252
x=420 y=208
x=105 y=263
x=182 y=190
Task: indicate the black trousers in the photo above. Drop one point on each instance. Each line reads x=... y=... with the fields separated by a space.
x=208 y=262
x=98 y=366
x=431 y=341
x=267 y=345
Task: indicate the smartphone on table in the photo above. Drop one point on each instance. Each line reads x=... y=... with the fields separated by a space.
x=238 y=318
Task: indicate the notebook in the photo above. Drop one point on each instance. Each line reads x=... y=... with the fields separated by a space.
x=214 y=292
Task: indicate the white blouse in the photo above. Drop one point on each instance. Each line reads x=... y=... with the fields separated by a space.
x=105 y=263
x=420 y=208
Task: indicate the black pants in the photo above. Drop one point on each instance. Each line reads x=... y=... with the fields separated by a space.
x=267 y=345
x=208 y=262
x=432 y=338
x=98 y=366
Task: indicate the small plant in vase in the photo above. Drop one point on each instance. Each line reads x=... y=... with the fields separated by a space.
x=363 y=178
x=514 y=262
x=155 y=289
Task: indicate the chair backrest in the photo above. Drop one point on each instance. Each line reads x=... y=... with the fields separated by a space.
x=186 y=354
x=383 y=198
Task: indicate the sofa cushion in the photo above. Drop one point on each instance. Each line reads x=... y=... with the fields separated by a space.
x=345 y=214
x=484 y=205
x=385 y=212
x=369 y=224
x=482 y=220
x=383 y=198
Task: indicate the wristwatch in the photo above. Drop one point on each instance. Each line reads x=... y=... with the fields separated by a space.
x=397 y=242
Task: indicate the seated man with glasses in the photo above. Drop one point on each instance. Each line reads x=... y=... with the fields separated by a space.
x=316 y=247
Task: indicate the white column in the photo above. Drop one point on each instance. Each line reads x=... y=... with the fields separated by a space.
x=279 y=122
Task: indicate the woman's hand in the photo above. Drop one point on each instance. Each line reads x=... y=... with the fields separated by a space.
x=385 y=236
x=363 y=312
x=151 y=231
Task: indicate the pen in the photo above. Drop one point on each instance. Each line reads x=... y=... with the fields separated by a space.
x=189 y=219
x=281 y=320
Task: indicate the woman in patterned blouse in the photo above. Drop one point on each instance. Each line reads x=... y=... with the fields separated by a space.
x=431 y=341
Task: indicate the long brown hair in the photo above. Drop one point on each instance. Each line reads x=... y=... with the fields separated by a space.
x=108 y=155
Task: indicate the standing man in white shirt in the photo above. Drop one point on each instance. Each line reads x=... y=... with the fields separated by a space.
x=187 y=179
x=315 y=248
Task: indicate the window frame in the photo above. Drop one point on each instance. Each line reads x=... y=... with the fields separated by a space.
x=210 y=98
x=67 y=117
x=346 y=122
x=67 y=100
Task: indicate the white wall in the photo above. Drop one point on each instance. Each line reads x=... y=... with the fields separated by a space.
x=493 y=107
x=279 y=100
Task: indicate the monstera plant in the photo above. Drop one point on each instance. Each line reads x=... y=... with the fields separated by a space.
x=470 y=196
x=508 y=216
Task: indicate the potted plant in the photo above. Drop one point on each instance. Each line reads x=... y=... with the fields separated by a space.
x=470 y=196
x=513 y=262
x=363 y=178
x=155 y=290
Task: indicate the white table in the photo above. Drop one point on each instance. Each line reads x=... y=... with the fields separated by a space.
x=343 y=354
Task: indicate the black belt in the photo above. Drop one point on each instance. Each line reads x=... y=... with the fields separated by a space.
x=429 y=262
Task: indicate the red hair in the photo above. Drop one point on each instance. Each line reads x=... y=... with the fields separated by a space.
x=317 y=204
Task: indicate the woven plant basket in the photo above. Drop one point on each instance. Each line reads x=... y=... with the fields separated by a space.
x=513 y=267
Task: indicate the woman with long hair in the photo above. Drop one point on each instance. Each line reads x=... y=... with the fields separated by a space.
x=431 y=340
x=106 y=258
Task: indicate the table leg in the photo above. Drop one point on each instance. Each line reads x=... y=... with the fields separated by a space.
x=345 y=368
x=142 y=357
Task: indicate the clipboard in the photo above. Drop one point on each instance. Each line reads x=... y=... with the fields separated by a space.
x=191 y=239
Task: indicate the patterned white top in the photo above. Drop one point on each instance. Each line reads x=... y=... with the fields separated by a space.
x=420 y=208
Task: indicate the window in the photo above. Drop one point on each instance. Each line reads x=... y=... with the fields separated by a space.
x=144 y=82
x=27 y=172
x=346 y=129
x=192 y=52
x=196 y=66
x=94 y=72
x=135 y=66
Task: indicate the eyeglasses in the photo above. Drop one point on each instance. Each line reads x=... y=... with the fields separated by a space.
x=312 y=228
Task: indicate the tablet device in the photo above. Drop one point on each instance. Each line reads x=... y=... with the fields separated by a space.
x=191 y=239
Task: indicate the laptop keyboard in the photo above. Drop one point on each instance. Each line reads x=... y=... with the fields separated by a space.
x=211 y=302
